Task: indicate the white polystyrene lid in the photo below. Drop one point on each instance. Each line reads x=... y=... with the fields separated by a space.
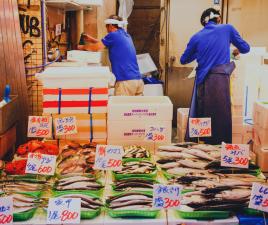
x=101 y=72
x=139 y=100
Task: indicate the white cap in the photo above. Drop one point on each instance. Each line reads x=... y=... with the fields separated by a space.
x=117 y=22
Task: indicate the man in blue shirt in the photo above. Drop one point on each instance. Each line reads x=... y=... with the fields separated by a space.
x=122 y=55
x=211 y=94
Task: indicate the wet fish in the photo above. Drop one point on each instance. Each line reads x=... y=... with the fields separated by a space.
x=85 y=198
x=70 y=180
x=171 y=148
x=170 y=165
x=207 y=148
x=129 y=196
x=80 y=185
x=176 y=155
x=184 y=171
x=195 y=164
x=130 y=203
x=200 y=154
x=235 y=194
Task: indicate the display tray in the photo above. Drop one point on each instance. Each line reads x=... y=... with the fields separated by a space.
x=90 y=193
x=204 y=215
x=132 y=213
x=23 y=216
x=152 y=175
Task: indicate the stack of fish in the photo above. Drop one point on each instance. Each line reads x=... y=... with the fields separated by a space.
x=133 y=184
x=76 y=159
x=137 y=167
x=78 y=182
x=135 y=151
x=222 y=198
x=130 y=201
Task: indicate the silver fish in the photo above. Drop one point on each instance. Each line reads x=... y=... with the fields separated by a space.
x=195 y=164
x=200 y=154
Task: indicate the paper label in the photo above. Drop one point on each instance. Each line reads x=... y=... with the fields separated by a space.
x=200 y=127
x=65 y=125
x=58 y=30
x=259 y=197
x=108 y=157
x=40 y=126
x=41 y=164
x=166 y=196
x=235 y=155
x=64 y=211
x=155 y=134
x=6 y=210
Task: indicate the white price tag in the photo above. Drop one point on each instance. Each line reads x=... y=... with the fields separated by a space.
x=40 y=126
x=58 y=29
x=6 y=210
x=235 y=155
x=155 y=134
x=108 y=157
x=200 y=127
x=64 y=211
x=65 y=125
x=259 y=197
x=41 y=164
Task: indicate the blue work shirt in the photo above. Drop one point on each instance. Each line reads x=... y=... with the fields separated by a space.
x=211 y=47
x=122 y=55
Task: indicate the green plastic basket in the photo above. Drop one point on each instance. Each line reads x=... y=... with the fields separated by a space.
x=133 y=213
x=204 y=215
x=97 y=193
x=143 y=176
x=252 y=212
x=90 y=214
x=23 y=216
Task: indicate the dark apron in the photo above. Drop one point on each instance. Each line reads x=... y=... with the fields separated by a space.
x=212 y=99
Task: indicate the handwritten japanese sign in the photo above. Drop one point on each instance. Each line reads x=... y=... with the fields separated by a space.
x=155 y=134
x=259 y=197
x=64 y=211
x=108 y=157
x=40 y=126
x=6 y=210
x=65 y=125
x=166 y=196
x=41 y=164
x=200 y=127
x=234 y=155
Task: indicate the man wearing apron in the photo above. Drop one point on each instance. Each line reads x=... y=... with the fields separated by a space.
x=211 y=94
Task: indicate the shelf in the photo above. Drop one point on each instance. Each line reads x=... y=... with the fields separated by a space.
x=73 y=5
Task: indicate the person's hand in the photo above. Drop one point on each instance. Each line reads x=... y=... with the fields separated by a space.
x=236 y=52
x=90 y=38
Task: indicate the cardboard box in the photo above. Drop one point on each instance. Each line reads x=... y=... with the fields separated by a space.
x=182 y=117
x=132 y=108
x=262 y=158
x=237 y=110
x=181 y=133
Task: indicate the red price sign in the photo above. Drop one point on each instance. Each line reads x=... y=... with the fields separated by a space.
x=6 y=210
x=108 y=157
x=235 y=155
x=40 y=126
x=65 y=125
x=200 y=127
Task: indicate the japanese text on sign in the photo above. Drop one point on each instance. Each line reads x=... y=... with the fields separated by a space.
x=234 y=155
x=200 y=127
x=108 y=157
x=41 y=164
x=65 y=125
x=155 y=134
x=6 y=210
x=259 y=197
x=64 y=211
x=166 y=196
x=40 y=126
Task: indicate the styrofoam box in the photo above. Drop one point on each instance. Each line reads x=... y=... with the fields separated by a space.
x=261 y=135
x=75 y=77
x=181 y=133
x=131 y=108
x=135 y=130
x=84 y=56
x=237 y=120
x=238 y=128
x=260 y=114
x=182 y=117
x=237 y=110
x=262 y=158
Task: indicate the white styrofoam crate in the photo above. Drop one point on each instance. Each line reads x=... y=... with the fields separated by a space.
x=148 y=108
x=182 y=117
x=260 y=114
x=136 y=130
x=84 y=56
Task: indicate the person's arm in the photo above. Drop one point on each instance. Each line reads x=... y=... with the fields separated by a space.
x=242 y=46
x=189 y=54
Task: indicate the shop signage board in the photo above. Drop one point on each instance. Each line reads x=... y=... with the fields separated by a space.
x=235 y=155
x=6 y=210
x=259 y=197
x=64 y=211
x=166 y=196
x=200 y=127
x=41 y=164
x=65 y=125
x=108 y=157
x=155 y=134
x=40 y=126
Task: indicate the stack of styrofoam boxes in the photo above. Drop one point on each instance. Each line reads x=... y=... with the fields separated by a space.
x=260 y=118
x=84 y=57
x=182 y=119
x=130 y=116
x=81 y=92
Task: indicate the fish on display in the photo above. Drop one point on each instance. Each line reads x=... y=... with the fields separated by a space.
x=135 y=151
x=140 y=167
x=77 y=183
x=134 y=184
x=23 y=185
x=130 y=201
